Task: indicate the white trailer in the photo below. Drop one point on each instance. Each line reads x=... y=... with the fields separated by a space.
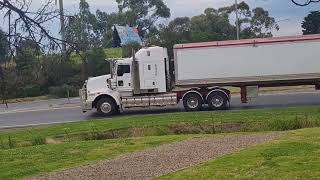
x=248 y=61
x=200 y=72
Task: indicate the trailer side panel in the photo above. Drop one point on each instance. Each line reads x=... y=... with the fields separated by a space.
x=284 y=61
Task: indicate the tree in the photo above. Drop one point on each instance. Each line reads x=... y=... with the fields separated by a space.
x=253 y=23
x=27 y=61
x=177 y=31
x=213 y=22
x=32 y=48
x=86 y=33
x=311 y=23
x=4 y=47
x=244 y=12
x=23 y=23
x=4 y=54
x=82 y=29
x=262 y=24
x=142 y=13
x=213 y=25
x=105 y=23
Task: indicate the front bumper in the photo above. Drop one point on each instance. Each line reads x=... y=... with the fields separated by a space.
x=85 y=105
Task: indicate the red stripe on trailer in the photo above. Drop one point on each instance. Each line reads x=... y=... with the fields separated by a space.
x=258 y=41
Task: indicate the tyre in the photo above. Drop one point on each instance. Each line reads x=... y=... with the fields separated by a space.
x=192 y=102
x=218 y=101
x=106 y=107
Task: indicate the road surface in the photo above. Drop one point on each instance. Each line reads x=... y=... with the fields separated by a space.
x=61 y=111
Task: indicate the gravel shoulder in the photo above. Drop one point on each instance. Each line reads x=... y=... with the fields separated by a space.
x=162 y=160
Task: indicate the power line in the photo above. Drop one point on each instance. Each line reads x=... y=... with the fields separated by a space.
x=306 y=3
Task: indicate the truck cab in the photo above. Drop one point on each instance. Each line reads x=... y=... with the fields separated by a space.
x=139 y=81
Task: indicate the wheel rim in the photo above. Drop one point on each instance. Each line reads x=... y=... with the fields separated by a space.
x=217 y=101
x=193 y=102
x=106 y=107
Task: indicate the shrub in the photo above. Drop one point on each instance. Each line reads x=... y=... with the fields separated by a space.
x=293 y=123
x=32 y=91
x=2 y=145
x=11 y=143
x=97 y=64
x=63 y=91
x=38 y=140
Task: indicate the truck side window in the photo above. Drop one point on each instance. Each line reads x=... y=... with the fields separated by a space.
x=149 y=67
x=123 y=69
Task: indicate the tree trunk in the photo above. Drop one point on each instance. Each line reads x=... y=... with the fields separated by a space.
x=3 y=87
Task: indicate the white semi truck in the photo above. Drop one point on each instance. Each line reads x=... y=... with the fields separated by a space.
x=199 y=71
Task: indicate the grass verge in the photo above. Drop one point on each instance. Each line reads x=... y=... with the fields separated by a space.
x=27 y=99
x=295 y=156
x=168 y=124
x=28 y=161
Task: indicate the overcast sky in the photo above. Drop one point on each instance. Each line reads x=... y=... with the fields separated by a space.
x=288 y=15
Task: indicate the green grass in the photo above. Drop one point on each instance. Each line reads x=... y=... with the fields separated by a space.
x=251 y=121
x=109 y=52
x=113 y=52
x=44 y=149
x=294 y=156
x=28 y=161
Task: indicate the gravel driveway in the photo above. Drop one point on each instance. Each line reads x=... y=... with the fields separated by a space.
x=162 y=160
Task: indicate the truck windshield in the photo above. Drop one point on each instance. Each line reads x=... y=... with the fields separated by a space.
x=123 y=69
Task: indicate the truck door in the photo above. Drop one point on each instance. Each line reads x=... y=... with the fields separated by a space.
x=150 y=75
x=124 y=79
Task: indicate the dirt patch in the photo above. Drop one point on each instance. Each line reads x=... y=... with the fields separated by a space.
x=162 y=160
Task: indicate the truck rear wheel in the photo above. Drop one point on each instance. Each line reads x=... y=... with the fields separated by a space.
x=218 y=101
x=106 y=107
x=192 y=102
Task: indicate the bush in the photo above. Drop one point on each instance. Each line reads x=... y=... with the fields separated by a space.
x=32 y=91
x=63 y=91
x=97 y=65
x=38 y=140
x=2 y=144
x=11 y=143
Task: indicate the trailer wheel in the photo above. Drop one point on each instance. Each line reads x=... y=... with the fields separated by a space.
x=106 y=107
x=192 y=102
x=218 y=101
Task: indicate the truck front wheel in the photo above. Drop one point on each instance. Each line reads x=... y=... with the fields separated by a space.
x=192 y=102
x=106 y=107
x=218 y=101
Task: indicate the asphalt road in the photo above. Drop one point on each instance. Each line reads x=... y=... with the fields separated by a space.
x=44 y=113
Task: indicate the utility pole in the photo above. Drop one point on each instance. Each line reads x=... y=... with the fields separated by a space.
x=237 y=20
x=63 y=27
